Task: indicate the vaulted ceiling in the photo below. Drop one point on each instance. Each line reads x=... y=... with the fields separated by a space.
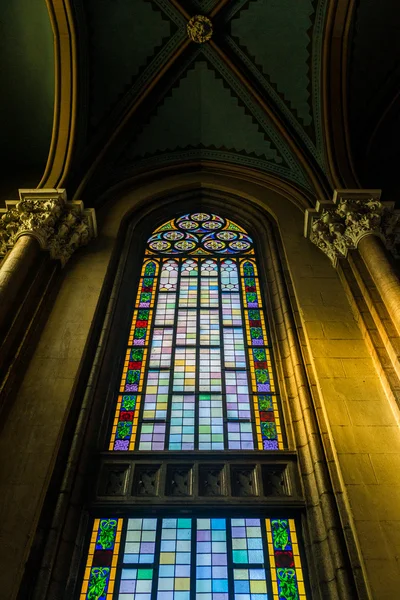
x=305 y=91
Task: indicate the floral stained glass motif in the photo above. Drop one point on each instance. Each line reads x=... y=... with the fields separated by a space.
x=200 y=234
x=194 y=558
x=286 y=571
x=101 y=564
x=129 y=400
x=198 y=370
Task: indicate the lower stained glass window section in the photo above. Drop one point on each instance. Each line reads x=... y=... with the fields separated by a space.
x=135 y=584
x=201 y=559
x=250 y=584
x=140 y=541
x=211 y=560
x=286 y=571
x=101 y=564
x=175 y=560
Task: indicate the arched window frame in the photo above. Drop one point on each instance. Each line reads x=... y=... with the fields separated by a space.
x=244 y=480
x=113 y=318
x=249 y=419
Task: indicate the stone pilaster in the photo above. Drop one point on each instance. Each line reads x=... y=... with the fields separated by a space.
x=59 y=226
x=337 y=226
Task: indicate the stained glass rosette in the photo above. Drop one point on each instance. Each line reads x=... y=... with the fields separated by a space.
x=200 y=233
x=101 y=565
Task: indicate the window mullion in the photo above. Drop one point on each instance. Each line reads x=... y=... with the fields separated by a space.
x=222 y=346
x=231 y=586
x=156 y=564
x=197 y=372
x=173 y=352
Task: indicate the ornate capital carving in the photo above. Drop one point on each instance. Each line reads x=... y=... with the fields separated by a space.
x=58 y=225
x=337 y=226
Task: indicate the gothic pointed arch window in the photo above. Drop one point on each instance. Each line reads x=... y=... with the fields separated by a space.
x=198 y=384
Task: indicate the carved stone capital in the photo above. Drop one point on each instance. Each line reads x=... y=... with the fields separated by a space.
x=337 y=226
x=58 y=225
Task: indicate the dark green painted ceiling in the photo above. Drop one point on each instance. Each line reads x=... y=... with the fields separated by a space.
x=251 y=96
x=122 y=39
x=201 y=109
x=196 y=113
x=276 y=35
x=27 y=86
x=191 y=123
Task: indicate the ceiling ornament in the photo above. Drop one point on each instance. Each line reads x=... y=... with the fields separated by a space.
x=61 y=227
x=199 y=29
x=337 y=227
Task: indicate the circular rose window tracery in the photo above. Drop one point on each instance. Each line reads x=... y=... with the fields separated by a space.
x=200 y=233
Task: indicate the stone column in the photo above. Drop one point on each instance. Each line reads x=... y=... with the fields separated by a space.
x=358 y=219
x=40 y=220
x=14 y=272
x=383 y=273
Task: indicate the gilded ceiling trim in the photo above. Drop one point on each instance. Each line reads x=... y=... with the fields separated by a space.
x=335 y=95
x=65 y=94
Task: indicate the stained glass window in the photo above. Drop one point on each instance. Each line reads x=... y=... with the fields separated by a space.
x=193 y=559
x=198 y=370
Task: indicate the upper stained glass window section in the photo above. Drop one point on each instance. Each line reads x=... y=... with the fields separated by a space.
x=198 y=371
x=200 y=234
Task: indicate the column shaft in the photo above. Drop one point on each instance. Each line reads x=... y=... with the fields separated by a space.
x=383 y=274
x=14 y=273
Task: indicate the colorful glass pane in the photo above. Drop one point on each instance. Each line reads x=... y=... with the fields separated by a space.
x=100 y=572
x=286 y=571
x=182 y=422
x=198 y=367
x=205 y=558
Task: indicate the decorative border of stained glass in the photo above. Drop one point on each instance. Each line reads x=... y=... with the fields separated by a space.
x=268 y=426
x=284 y=556
x=206 y=558
x=201 y=234
x=198 y=329
x=123 y=435
x=101 y=564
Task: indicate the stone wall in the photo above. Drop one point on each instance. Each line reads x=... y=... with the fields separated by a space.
x=357 y=423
